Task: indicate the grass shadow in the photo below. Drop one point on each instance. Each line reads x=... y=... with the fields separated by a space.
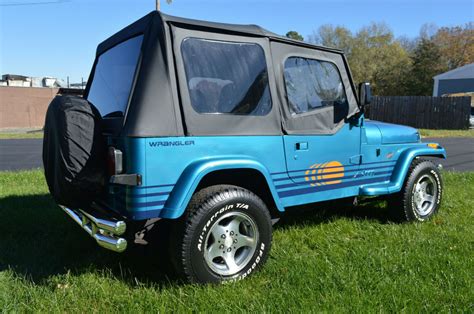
x=39 y=241
x=325 y=212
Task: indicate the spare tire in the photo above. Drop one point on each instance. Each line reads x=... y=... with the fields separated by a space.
x=74 y=151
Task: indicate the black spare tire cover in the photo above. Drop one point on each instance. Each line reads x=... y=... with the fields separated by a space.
x=74 y=151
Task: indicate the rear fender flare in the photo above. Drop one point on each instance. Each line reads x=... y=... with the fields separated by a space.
x=195 y=172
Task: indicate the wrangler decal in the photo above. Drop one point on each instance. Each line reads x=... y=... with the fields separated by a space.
x=170 y=143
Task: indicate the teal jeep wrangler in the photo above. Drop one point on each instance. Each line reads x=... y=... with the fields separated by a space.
x=220 y=129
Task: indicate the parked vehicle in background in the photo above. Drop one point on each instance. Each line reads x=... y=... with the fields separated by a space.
x=471 y=119
x=219 y=129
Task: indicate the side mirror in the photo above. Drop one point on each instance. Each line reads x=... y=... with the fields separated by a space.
x=365 y=94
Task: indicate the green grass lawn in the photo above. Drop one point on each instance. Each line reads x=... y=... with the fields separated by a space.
x=447 y=133
x=331 y=260
x=7 y=136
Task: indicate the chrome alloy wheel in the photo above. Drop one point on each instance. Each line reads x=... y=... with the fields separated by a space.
x=231 y=243
x=425 y=193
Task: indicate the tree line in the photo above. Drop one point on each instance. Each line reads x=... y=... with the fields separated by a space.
x=398 y=66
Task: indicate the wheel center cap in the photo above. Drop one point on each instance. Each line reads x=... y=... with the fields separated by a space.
x=228 y=241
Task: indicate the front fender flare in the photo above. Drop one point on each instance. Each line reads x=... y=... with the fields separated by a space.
x=401 y=169
x=404 y=161
x=193 y=174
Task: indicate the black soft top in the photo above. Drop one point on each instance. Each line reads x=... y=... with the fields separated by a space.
x=159 y=102
x=226 y=28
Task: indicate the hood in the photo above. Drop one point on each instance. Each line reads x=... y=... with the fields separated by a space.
x=395 y=133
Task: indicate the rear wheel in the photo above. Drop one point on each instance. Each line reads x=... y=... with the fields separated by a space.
x=225 y=235
x=421 y=194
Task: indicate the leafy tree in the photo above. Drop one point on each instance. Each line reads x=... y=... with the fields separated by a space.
x=377 y=58
x=393 y=69
x=400 y=66
x=427 y=31
x=426 y=64
x=333 y=36
x=456 y=45
x=373 y=54
x=407 y=43
x=294 y=35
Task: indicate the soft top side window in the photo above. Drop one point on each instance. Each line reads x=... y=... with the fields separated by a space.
x=113 y=77
x=226 y=77
x=312 y=84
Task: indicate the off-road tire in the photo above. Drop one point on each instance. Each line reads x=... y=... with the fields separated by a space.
x=208 y=208
x=403 y=205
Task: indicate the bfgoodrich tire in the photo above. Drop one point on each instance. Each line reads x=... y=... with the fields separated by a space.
x=226 y=234
x=421 y=195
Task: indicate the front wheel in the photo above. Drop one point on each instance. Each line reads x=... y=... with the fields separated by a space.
x=226 y=234
x=420 y=197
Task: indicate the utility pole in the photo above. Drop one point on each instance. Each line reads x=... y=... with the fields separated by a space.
x=157 y=5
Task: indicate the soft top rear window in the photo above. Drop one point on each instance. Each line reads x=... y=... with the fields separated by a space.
x=113 y=78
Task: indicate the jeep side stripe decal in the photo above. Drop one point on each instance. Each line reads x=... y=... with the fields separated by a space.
x=154 y=186
x=330 y=187
x=351 y=170
x=363 y=164
x=148 y=194
x=304 y=183
x=137 y=203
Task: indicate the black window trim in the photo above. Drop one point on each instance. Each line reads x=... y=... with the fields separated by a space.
x=317 y=110
x=134 y=80
x=232 y=42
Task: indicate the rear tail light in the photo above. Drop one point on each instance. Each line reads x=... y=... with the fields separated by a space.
x=114 y=161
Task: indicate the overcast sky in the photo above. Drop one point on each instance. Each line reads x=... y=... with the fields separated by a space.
x=58 y=38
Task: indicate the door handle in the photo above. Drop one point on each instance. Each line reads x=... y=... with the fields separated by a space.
x=301 y=146
x=356 y=160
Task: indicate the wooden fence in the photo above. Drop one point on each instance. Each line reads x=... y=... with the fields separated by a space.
x=422 y=111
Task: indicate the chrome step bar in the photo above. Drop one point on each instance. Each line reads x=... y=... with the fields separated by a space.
x=105 y=232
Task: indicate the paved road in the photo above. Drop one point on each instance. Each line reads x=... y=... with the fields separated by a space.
x=460 y=152
x=21 y=154
x=26 y=154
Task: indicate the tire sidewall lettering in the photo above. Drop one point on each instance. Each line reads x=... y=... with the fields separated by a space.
x=251 y=268
x=258 y=256
x=439 y=186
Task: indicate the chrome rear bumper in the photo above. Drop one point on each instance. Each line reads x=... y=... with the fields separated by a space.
x=105 y=232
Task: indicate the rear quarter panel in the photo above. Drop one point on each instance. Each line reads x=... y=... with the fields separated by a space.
x=173 y=166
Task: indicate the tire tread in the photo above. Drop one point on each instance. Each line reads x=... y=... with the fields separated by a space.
x=201 y=202
x=399 y=202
